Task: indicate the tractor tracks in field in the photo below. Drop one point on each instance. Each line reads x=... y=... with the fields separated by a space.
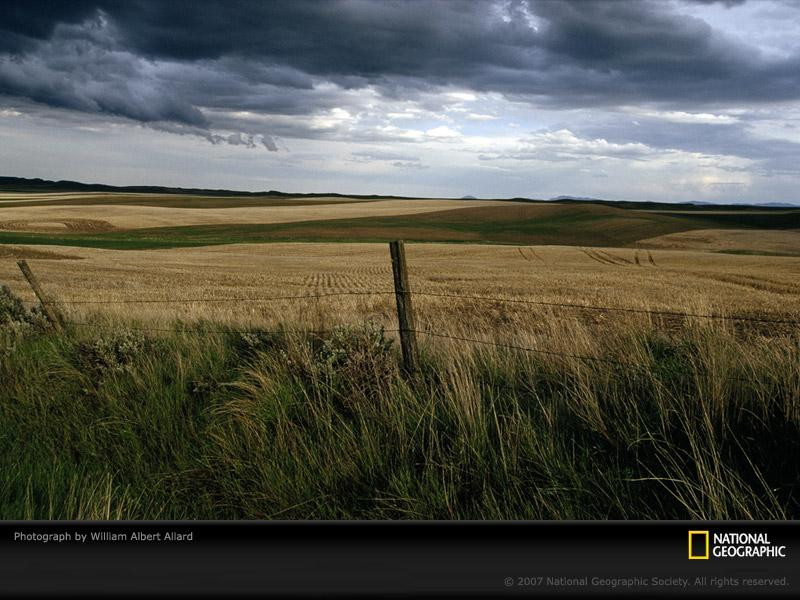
x=644 y=259
x=597 y=257
x=531 y=255
x=357 y=279
x=607 y=258
x=650 y=260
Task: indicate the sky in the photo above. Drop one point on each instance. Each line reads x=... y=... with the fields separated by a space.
x=630 y=100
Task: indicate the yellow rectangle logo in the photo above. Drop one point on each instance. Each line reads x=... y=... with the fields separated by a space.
x=694 y=541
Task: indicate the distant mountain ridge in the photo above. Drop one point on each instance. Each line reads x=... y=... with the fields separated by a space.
x=23 y=185
x=692 y=203
x=577 y=198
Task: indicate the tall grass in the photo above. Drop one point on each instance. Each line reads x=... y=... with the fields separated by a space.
x=200 y=422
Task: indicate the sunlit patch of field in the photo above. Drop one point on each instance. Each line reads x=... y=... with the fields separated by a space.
x=123 y=216
x=17 y=253
x=46 y=196
x=21 y=199
x=57 y=225
x=685 y=281
x=729 y=240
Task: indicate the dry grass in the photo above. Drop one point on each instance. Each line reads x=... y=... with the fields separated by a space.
x=194 y=422
x=644 y=279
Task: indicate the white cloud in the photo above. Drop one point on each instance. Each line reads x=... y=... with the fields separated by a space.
x=442 y=132
x=390 y=132
x=564 y=144
x=402 y=115
x=462 y=96
x=480 y=117
x=676 y=116
x=332 y=119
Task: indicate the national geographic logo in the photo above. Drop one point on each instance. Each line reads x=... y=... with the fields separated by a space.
x=698 y=545
x=704 y=545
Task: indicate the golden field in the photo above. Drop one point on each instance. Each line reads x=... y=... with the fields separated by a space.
x=682 y=271
x=758 y=240
x=106 y=217
x=697 y=282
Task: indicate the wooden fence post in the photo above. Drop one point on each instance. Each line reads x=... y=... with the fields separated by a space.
x=405 y=310
x=50 y=310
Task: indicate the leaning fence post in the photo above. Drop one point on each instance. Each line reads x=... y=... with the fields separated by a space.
x=405 y=310
x=50 y=310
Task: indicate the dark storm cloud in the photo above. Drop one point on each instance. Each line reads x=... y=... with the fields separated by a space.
x=634 y=51
x=21 y=22
x=567 y=52
x=722 y=2
x=79 y=67
x=165 y=61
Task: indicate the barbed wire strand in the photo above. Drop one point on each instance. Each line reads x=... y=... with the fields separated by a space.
x=610 y=308
x=201 y=300
x=588 y=307
x=524 y=348
x=635 y=365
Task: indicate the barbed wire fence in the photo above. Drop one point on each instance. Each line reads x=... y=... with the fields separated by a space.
x=407 y=324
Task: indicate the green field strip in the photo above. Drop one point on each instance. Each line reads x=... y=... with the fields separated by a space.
x=528 y=225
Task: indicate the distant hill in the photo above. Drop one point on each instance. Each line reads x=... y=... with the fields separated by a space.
x=21 y=184
x=592 y=224
x=577 y=199
x=692 y=205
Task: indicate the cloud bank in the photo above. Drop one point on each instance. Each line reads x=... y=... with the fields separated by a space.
x=582 y=80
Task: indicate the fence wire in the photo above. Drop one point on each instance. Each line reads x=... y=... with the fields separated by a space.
x=496 y=299
x=591 y=307
x=523 y=348
x=234 y=299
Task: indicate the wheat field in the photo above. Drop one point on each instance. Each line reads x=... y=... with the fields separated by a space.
x=525 y=296
x=696 y=282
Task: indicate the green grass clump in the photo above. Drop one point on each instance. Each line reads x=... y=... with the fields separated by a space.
x=199 y=422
